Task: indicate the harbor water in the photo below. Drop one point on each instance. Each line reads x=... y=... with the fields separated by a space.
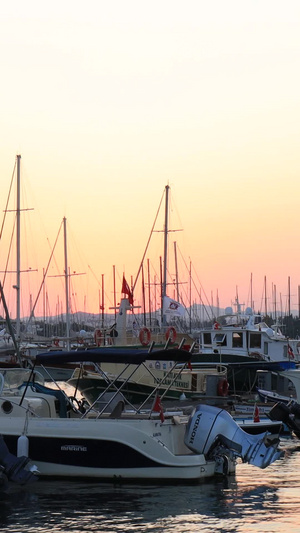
x=253 y=501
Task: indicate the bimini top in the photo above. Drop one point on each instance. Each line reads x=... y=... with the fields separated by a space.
x=112 y=355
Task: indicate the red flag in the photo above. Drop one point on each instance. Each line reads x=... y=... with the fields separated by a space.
x=157 y=407
x=256 y=414
x=290 y=352
x=126 y=290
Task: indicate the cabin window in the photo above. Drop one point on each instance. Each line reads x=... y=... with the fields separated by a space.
x=220 y=339
x=255 y=340
x=266 y=348
x=237 y=340
x=206 y=338
x=285 y=351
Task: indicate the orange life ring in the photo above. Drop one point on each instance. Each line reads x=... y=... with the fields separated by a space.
x=171 y=334
x=222 y=387
x=145 y=336
x=97 y=337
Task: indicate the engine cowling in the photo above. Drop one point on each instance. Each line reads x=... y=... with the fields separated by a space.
x=211 y=429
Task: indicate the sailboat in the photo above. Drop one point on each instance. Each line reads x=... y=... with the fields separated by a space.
x=144 y=329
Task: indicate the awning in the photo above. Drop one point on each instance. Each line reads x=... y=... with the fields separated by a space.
x=112 y=355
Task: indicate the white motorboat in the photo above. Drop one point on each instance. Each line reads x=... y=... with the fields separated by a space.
x=66 y=439
x=244 y=337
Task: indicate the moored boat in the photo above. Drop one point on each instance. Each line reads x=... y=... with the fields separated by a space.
x=67 y=439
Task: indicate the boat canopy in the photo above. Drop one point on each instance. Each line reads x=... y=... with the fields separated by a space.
x=275 y=366
x=112 y=355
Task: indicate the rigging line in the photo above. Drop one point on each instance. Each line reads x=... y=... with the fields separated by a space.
x=196 y=288
x=94 y=275
x=8 y=256
x=208 y=304
x=152 y=229
x=44 y=277
x=100 y=284
x=7 y=202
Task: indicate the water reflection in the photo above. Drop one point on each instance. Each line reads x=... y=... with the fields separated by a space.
x=249 y=502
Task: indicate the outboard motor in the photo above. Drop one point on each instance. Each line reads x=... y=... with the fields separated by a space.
x=289 y=414
x=14 y=467
x=213 y=432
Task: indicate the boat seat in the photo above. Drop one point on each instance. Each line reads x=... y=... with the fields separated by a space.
x=59 y=395
x=117 y=410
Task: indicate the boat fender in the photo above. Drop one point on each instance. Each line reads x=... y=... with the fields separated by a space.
x=145 y=336
x=223 y=386
x=23 y=446
x=171 y=334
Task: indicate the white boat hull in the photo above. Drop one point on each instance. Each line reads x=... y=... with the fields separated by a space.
x=109 y=449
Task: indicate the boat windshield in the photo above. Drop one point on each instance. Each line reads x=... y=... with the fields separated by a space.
x=15 y=377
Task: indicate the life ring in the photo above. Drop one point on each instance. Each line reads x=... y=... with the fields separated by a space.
x=97 y=337
x=217 y=325
x=145 y=336
x=80 y=340
x=222 y=387
x=171 y=334
x=56 y=342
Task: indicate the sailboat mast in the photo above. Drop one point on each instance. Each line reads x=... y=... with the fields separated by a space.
x=66 y=285
x=176 y=272
x=18 y=280
x=166 y=229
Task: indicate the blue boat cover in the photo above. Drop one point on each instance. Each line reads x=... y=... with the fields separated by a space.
x=112 y=355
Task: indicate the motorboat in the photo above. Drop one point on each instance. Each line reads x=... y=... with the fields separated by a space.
x=245 y=337
x=118 y=441
x=271 y=396
x=175 y=381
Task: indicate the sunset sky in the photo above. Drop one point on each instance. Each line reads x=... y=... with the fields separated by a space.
x=108 y=102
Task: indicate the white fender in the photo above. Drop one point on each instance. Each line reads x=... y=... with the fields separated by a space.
x=23 y=446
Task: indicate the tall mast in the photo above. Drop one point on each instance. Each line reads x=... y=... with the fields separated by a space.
x=102 y=302
x=166 y=229
x=176 y=272
x=66 y=285
x=18 y=280
x=149 y=292
x=266 y=310
x=115 y=301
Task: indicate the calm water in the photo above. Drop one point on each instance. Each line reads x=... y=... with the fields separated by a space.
x=253 y=501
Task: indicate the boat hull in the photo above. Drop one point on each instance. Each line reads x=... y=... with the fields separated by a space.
x=108 y=449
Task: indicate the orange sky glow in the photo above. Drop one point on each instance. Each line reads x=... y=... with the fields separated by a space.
x=107 y=103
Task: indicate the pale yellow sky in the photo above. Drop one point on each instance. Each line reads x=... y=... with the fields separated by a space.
x=107 y=102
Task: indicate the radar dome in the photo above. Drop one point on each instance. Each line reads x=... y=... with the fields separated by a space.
x=248 y=311
x=228 y=311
